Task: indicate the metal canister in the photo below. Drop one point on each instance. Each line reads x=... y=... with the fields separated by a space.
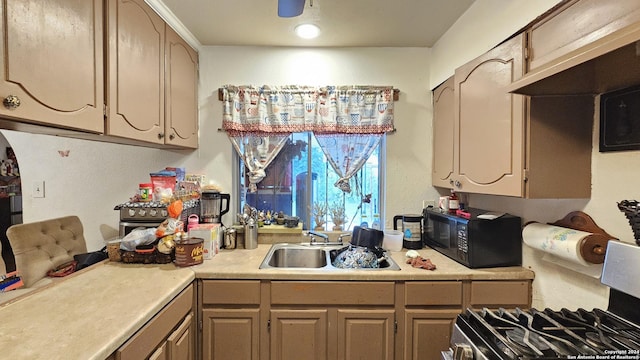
x=189 y=251
x=251 y=234
x=230 y=235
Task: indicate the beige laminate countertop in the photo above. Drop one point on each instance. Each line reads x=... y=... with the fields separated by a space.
x=244 y=264
x=92 y=313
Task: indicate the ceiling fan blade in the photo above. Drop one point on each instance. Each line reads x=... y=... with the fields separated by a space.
x=290 y=8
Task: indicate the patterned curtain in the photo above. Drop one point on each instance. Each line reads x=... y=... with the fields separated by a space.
x=255 y=116
x=257 y=152
x=347 y=153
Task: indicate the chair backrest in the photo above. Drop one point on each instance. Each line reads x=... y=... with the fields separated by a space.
x=41 y=246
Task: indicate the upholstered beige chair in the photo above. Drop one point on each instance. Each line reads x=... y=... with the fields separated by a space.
x=41 y=246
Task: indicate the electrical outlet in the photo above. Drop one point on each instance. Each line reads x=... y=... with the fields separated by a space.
x=38 y=189
x=427 y=203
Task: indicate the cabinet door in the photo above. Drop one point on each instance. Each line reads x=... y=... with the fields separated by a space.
x=576 y=24
x=489 y=122
x=135 y=75
x=161 y=353
x=52 y=62
x=427 y=333
x=297 y=334
x=366 y=334
x=231 y=334
x=443 y=133
x=181 y=342
x=181 y=102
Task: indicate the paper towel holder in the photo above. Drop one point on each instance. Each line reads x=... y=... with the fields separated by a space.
x=578 y=220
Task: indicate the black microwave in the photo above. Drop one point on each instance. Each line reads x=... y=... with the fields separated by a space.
x=480 y=239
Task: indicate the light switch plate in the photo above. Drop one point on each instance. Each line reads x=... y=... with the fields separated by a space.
x=38 y=189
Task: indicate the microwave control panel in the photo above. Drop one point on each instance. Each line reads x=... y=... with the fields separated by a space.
x=463 y=241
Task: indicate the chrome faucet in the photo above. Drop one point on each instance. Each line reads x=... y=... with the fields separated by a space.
x=313 y=240
x=342 y=236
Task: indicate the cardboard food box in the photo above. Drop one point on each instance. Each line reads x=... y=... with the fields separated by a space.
x=211 y=234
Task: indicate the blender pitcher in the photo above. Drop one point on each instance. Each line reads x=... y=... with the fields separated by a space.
x=213 y=205
x=411 y=230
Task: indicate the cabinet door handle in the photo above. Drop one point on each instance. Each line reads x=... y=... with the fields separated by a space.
x=457 y=184
x=11 y=102
x=161 y=136
x=171 y=137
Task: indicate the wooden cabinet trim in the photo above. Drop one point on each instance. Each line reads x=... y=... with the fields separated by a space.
x=147 y=339
x=332 y=293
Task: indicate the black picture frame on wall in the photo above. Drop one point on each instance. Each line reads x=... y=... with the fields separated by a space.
x=620 y=120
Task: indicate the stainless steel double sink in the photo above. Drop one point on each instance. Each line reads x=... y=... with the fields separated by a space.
x=318 y=257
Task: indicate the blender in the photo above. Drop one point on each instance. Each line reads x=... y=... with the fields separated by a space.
x=213 y=205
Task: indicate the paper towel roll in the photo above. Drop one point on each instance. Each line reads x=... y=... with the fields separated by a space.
x=574 y=246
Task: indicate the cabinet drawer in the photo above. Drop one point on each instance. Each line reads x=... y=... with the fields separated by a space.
x=231 y=292
x=433 y=293
x=145 y=341
x=332 y=293
x=503 y=293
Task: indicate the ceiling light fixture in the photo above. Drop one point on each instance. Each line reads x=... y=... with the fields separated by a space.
x=290 y=8
x=307 y=31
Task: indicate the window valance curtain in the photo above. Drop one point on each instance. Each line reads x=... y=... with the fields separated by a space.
x=287 y=109
x=348 y=122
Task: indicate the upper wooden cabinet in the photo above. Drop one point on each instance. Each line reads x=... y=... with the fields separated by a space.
x=52 y=63
x=443 y=133
x=181 y=91
x=488 y=127
x=135 y=76
x=508 y=144
x=151 y=78
x=582 y=47
x=56 y=74
x=576 y=24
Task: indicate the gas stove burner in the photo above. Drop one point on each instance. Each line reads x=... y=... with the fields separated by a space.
x=549 y=334
x=560 y=334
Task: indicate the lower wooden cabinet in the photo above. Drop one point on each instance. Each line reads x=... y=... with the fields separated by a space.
x=317 y=320
x=170 y=335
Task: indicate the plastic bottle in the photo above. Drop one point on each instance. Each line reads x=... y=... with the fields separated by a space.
x=454 y=203
x=376 y=222
x=364 y=223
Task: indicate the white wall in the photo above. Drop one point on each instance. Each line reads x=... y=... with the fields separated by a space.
x=408 y=150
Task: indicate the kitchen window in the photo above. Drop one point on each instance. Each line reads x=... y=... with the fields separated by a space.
x=300 y=182
x=312 y=152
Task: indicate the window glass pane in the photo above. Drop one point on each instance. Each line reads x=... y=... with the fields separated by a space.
x=289 y=188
